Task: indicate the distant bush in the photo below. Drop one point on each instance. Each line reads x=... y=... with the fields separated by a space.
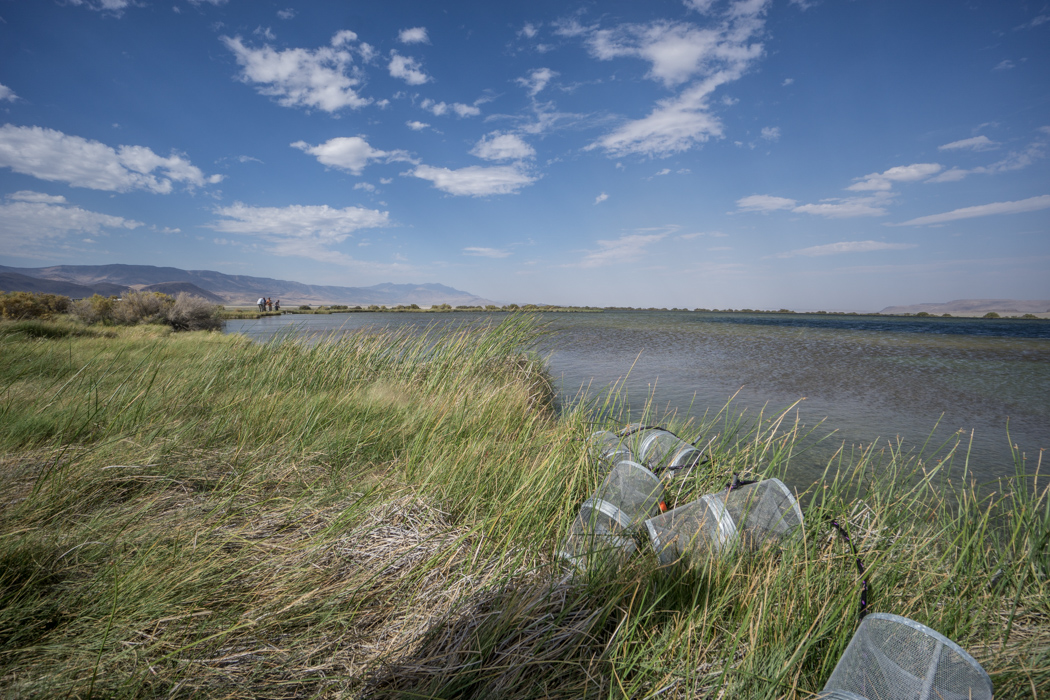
x=1029 y=316
x=304 y=307
x=991 y=314
x=94 y=309
x=142 y=307
x=23 y=306
x=338 y=307
x=193 y=313
x=923 y=314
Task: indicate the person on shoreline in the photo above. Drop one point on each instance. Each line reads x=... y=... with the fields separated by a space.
x=277 y=305
x=262 y=304
x=269 y=304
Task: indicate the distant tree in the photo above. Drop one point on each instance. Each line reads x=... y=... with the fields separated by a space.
x=923 y=314
x=1029 y=316
x=991 y=314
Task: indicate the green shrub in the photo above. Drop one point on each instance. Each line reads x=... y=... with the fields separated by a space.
x=304 y=307
x=22 y=306
x=142 y=307
x=991 y=314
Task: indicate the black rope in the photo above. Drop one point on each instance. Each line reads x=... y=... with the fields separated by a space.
x=863 y=608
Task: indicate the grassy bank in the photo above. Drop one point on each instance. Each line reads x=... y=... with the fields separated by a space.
x=196 y=514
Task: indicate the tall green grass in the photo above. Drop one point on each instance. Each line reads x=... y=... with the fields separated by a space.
x=377 y=515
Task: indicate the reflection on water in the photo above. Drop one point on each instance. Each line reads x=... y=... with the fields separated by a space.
x=868 y=378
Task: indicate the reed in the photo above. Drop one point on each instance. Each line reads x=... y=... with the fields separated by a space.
x=377 y=515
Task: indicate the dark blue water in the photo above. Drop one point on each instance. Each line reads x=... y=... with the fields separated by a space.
x=861 y=380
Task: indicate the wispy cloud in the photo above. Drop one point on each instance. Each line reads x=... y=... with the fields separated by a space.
x=499 y=146
x=846 y=247
x=33 y=223
x=628 y=248
x=764 y=203
x=537 y=80
x=901 y=173
x=7 y=94
x=977 y=143
x=486 y=252
x=601 y=198
x=440 y=109
x=1018 y=207
x=407 y=68
x=476 y=181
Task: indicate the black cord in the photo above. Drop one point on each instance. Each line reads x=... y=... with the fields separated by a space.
x=863 y=608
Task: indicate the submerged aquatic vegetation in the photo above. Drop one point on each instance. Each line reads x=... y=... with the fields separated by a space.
x=378 y=515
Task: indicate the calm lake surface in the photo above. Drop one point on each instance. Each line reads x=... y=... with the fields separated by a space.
x=868 y=378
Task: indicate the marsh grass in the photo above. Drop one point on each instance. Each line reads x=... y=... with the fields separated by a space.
x=376 y=515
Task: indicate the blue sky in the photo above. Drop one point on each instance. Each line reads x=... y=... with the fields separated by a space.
x=817 y=154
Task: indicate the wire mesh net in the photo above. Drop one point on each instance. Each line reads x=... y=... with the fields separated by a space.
x=747 y=516
x=609 y=447
x=627 y=496
x=894 y=658
x=661 y=449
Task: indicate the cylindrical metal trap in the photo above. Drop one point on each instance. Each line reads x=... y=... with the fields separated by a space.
x=609 y=448
x=661 y=449
x=747 y=515
x=628 y=495
x=893 y=658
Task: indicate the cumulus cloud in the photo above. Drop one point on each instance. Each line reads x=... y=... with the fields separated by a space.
x=300 y=77
x=977 y=143
x=499 y=146
x=486 y=252
x=287 y=13
x=351 y=153
x=476 y=181
x=417 y=125
x=57 y=157
x=601 y=198
x=771 y=133
x=535 y=81
x=1018 y=207
x=902 y=173
x=415 y=35
x=440 y=109
x=7 y=93
x=34 y=218
x=529 y=31
x=764 y=203
x=625 y=249
x=407 y=69
x=846 y=247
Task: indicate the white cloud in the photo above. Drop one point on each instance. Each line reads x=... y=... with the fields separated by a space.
x=407 y=69
x=771 y=133
x=1035 y=22
x=117 y=7
x=702 y=6
x=537 y=80
x=1018 y=207
x=475 y=181
x=302 y=231
x=845 y=208
x=300 y=77
x=764 y=203
x=625 y=249
x=415 y=35
x=287 y=13
x=846 y=247
x=417 y=125
x=57 y=157
x=440 y=109
x=977 y=143
x=500 y=146
x=1005 y=64
x=7 y=93
x=787 y=81
x=952 y=175
x=902 y=173
x=27 y=222
x=1016 y=160
x=367 y=186
x=350 y=153
x=601 y=198
x=36 y=197
x=486 y=252
x=679 y=53
x=265 y=33
x=529 y=30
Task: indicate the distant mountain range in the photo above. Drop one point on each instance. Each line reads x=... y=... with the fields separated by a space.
x=977 y=307
x=233 y=290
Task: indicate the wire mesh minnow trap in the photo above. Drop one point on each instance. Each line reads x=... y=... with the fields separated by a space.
x=661 y=449
x=628 y=495
x=609 y=447
x=894 y=658
x=747 y=515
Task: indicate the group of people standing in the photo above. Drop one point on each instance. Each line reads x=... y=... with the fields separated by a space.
x=266 y=304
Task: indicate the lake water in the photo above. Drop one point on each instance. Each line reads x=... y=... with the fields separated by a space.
x=868 y=378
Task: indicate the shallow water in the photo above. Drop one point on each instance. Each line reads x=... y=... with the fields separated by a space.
x=868 y=378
